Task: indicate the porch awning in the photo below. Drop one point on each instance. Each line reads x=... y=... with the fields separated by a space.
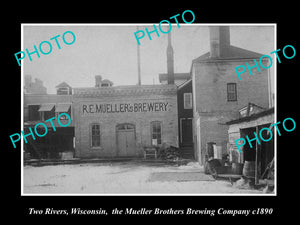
x=46 y=107
x=62 y=107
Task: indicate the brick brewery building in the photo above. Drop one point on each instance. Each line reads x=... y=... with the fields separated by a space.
x=122 y=120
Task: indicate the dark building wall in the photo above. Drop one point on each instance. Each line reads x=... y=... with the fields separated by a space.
x=55 y=141
x=241 y=129
x=185 y=116
x=182 y=112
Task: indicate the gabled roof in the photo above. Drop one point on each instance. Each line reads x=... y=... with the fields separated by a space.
x=63 y=84
x=251 y=117
x=46 y=107
x=231 y=52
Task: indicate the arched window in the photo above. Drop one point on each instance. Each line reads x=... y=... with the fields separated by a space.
x=156 y=129
x=125 y=126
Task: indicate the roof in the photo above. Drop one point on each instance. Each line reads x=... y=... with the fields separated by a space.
x=251 y=117
x=62 y=107
x=231 y=52
x=63 y=84
x=184 y=84
x=177 y=76
x=46 y=107
x=252 y=104
x=125 y=90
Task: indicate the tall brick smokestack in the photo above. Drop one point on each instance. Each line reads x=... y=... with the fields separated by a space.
x=219 y=40
x=138 y=60
x=170 y=61
x=98 y=81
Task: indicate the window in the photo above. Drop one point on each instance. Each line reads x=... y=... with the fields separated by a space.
x=155 y=133
x=187 y=101
x=63 y=91
x=231 y=92
x=33 y=112
x=95 y=138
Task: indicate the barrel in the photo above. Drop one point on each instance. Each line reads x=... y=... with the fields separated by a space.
x=249 y=169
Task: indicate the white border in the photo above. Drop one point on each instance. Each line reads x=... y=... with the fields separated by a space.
x=147 y=24
x=275 y=109
x=22 y=115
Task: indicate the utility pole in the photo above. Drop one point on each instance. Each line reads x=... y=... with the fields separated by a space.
x=170 y=61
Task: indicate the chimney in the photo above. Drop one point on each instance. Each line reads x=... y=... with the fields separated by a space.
x=98 y=81
x=170 y=61
x=219 y=41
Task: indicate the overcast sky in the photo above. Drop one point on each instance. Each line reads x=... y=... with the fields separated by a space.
x=111 y=51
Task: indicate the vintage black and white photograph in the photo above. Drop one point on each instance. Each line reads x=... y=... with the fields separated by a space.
x=149 y=109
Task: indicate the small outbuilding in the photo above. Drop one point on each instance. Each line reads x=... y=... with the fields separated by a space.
x=261 y=153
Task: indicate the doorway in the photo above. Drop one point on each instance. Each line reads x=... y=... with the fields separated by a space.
x=186 y=131
x=126 y=139
x=249 y=153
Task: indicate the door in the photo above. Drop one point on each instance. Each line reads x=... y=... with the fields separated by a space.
x=130 y=143
x=186 y=132
x=126 y=140
x=122 y=143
